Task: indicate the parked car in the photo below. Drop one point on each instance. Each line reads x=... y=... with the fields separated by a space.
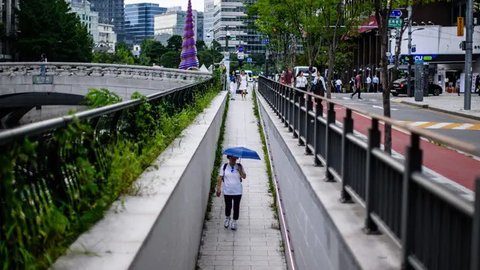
x=400 y=87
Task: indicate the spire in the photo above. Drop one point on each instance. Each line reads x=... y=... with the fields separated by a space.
x=189 y=50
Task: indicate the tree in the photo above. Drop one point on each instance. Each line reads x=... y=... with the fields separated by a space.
x=152 y=51
x=123 y=55
x=382 y=9
x=170 y=59
x=174 y=43
x=49 y=27
x=200 y=45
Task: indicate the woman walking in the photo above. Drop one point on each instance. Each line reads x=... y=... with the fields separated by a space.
x=243 y=84
x=233 y=85
x=231 y=175
x=301 y=81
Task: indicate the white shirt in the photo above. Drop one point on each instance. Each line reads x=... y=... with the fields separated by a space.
x=375 y=79
x=301 y=81
x=323 y=82
x=338 y=82
x=369 y=80
x=231 y=180
x=243 y=82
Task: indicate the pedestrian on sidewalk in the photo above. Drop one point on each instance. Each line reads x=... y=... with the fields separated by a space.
x=375 y=82
x=457 y=85
x=233 y=85
x=352 y=84
x=300 y=81
x=231 y=175
x=338 y=85
x=358 y=85
x=243 y=84
x=477 y=84
x=368 y=82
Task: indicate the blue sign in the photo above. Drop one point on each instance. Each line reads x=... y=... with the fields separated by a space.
x=240 y=48
x=266 y=41
x=249 y=60
x=396 y=13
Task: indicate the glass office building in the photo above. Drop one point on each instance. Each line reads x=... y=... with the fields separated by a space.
x=139 y=21
x=111 y=12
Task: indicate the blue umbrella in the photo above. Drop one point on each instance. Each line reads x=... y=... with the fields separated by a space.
x=241 y=152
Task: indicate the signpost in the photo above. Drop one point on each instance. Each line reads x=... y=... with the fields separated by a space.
x=396 y=13
x=249 y=60
x=394 y=23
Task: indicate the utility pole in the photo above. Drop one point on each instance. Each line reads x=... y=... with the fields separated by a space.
x=409 y=76
x=468 y=55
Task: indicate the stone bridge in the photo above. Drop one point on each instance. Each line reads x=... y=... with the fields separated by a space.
x=50 y=87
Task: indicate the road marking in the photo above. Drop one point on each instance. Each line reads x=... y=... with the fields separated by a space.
x=381 y=108
x=442 y=125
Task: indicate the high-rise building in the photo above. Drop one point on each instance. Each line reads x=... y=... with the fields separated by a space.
x=87 y=17
x=209 y=10
x=200 y=26
x=9 y=29
x=230 y=17
x=173 y=22
x=111 y=12
x=139 y=21
x=107 y=38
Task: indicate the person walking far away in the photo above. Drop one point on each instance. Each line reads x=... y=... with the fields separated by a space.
x=457 y=85
x=368 y=82
x=233 y=85
x=375 y=82
x=43 y=59
x=358 y=85
x=243 y=84
x=288 y=77
x=300 y=81
x=338 y=85
x=352 y=84
x=231 y=175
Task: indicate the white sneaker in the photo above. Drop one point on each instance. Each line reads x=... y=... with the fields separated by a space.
x=233 y=225
x=226 y=223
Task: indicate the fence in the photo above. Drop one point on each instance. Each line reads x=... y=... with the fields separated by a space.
x=434 y=228
x=56 y=170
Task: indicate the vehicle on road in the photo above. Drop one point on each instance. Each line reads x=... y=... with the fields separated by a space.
x=400 y=87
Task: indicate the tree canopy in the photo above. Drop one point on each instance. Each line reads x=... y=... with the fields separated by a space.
x=49 y=27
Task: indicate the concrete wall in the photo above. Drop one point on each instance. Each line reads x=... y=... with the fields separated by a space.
x=324 y=233
x=160 y=225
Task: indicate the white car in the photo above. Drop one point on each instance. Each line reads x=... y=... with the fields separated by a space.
x=297 y=69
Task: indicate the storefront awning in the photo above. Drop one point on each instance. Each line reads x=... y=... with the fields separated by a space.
x=369 y=25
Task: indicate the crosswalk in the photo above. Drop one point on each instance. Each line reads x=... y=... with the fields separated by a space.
x=442 y=125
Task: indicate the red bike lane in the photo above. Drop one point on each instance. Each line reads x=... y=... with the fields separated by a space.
x=446 y=162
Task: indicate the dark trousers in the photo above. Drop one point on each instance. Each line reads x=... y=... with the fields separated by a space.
x=357 y=90
x=236 y=205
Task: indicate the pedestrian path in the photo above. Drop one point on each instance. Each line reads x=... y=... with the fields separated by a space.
x=257 y=242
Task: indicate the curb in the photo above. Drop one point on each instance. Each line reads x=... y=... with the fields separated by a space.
x=426 y=106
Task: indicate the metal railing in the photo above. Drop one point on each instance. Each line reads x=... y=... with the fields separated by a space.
x=62 y=165
x=435 y=228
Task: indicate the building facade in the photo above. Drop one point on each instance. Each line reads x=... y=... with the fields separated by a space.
x=111 y=12
x=200 y=26
x=87 y=17
x=107 y=38
x=8 y=29
x=230 y=17
x=209 y=11
x=139 y=21
x=173 y=23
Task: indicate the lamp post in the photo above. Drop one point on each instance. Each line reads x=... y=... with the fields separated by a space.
x=409 y=76
x=468 y=55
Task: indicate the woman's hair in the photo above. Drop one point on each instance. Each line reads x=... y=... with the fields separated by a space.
x=299 y=72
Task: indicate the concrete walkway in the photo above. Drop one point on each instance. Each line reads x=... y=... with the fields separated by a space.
x=257 y=243
x=446 y=102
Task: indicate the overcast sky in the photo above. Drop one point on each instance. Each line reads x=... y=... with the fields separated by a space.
x=196 y=4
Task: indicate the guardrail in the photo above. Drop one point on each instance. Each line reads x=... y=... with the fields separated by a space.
x=56 y=166
x=434 y=228
x=98 y=70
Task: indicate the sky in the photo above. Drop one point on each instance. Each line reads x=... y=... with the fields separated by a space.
x=196 y=4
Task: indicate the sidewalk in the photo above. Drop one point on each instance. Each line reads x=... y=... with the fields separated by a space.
x=257 y=243
x=446 y=102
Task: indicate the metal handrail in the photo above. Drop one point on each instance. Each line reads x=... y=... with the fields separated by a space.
x=399 y=199
x=448 y=141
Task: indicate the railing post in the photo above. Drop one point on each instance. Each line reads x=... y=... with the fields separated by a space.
x=299 y=117
x=294 y=112
x=413 y=163
x=373 y=142
x=330 y=120
x=316 y=133
x=308 y=108
x=475 y=264
x=282 y=103
x=347 y=129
